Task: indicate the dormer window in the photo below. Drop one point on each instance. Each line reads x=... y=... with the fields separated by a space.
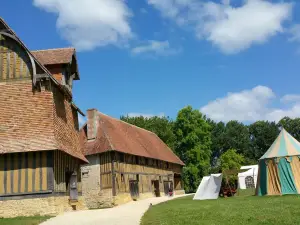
x=64 y=67
x=67 y=79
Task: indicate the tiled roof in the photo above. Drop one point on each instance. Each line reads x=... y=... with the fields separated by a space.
x=54 y=56
x=114 y=134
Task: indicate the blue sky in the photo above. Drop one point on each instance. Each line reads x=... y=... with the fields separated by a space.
x=230 y=59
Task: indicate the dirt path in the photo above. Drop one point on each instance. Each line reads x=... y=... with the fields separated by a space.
x=127 y=214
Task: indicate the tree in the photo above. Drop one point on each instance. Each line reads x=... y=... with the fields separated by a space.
x=236 y=136
x=193 y=145
x=231 y=160
x=161 y=126
x=262 y=135
x=292 y=126
x=217 y=139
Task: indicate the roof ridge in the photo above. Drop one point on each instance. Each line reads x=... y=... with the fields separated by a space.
x=52 y=49
x=127 y=123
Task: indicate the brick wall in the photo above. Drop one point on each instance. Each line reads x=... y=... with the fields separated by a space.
x=56 y=71
x=26 y=121
x=65 y=124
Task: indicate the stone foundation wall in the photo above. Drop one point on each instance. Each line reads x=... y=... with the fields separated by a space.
x=39 y=206
x=94 y=197
x=97 y=199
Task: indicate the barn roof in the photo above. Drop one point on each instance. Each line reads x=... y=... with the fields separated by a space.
x=114 y=134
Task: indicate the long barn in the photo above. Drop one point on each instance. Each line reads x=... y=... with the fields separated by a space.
x=126 y=162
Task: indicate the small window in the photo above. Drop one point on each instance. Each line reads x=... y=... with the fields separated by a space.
x=137 y=177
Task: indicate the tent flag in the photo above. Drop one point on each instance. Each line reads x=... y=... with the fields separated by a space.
x=209 y=187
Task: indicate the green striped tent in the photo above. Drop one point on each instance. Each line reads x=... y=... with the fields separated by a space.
x=279 y=167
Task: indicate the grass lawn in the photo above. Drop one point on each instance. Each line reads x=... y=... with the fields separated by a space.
x=33 y=220
x=226 y=211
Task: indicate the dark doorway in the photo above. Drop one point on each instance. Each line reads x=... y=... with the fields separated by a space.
x=73 y=187
x=155 y=185
x=134 y=188
x=168 y=188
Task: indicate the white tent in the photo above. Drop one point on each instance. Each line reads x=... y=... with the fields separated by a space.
x=209 y=187
x=248 y=178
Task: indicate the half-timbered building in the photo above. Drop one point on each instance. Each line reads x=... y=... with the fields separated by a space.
x=40 y=154
x=126 y=162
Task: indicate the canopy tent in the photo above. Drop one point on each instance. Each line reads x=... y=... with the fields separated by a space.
x=279 y=167
x=209 y=187
x=248 y=178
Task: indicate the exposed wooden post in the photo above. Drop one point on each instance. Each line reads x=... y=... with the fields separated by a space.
x=113 y=174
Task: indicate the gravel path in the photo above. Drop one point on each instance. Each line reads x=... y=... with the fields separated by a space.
x=127 y=214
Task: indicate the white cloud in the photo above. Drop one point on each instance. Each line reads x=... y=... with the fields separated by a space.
x=145 y=115
x=232 y=29
x=90 y=24
x=290 y=98
x=295 y=33
x=81 y=120
x=157 y=47
x=252 y=105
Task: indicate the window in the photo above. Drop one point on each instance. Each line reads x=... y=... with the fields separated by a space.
x=249 y=182
x=137 y=177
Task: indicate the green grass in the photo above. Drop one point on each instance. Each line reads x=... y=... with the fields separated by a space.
x=32 y=220
x=246 y=192
x=226 y=211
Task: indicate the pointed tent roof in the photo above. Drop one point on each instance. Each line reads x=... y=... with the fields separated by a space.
x=284 y=145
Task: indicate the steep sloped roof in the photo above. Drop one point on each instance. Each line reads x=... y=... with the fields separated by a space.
x=114 y=134
x=284 y=145
x=40 y=139
x=54 y=56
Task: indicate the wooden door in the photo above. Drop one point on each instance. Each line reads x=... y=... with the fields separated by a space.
x=134 y=188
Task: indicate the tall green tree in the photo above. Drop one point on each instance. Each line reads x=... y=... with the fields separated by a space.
x=262 y=135
x=217 y=139
x=161 y=126
x=236 y=136
x=193 y=145
x=292 y=126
